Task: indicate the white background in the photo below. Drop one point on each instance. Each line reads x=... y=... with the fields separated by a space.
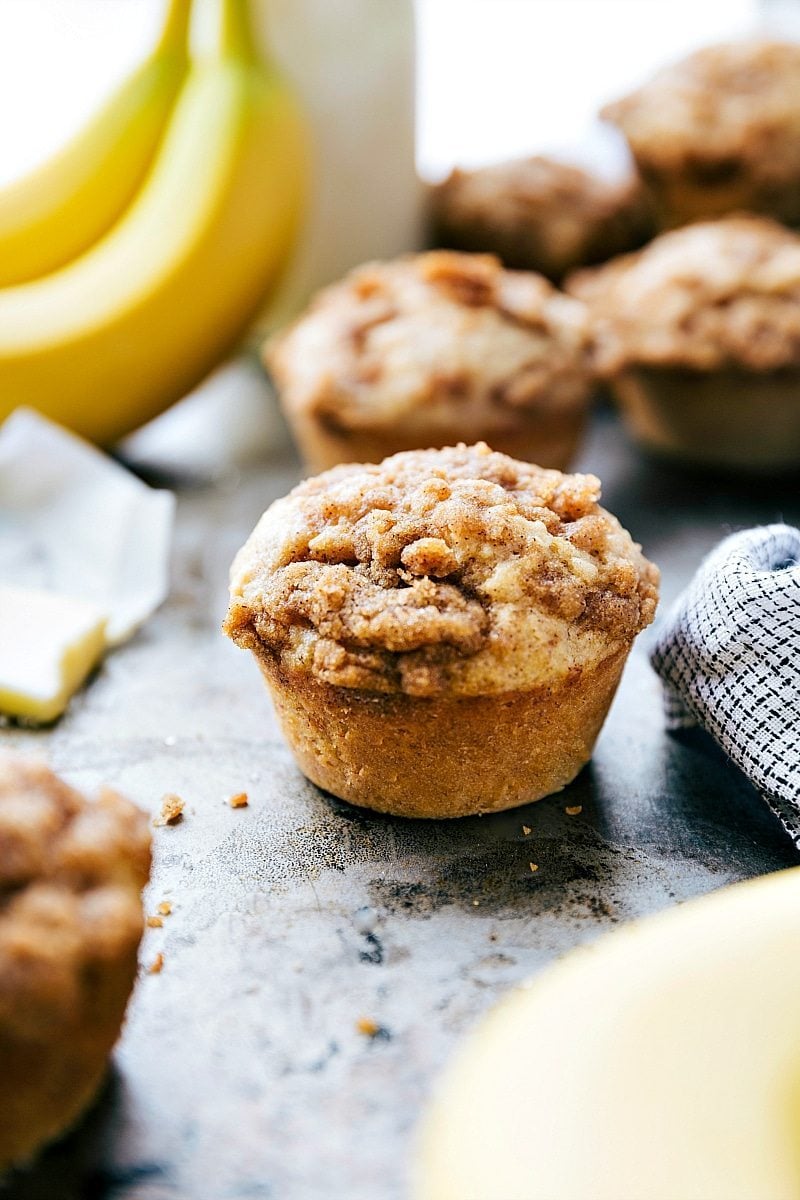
x=496 y=77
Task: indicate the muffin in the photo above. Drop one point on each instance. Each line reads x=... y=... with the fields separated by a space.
x=443 y=633
x=430 y=350
x=699 y=336
x=70 y=922
x=538 y=214
x=719 y=132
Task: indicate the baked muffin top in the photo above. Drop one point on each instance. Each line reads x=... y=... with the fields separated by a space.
x=739 y=102
x=718 y=293
x=541 y=214
x=395 y=338
x=457 y=570
x=70 y=876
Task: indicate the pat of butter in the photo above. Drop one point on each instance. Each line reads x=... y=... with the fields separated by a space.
x=48 y=645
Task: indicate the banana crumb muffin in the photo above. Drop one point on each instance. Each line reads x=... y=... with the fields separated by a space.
x=443 y=633
x=719 y=132
x=430 y=350
x=699 y=335
x=539 y=214
x=71 y=918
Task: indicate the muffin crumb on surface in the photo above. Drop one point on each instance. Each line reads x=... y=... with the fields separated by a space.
x=172 y=807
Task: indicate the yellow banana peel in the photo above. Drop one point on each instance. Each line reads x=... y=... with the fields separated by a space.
x=53 y=214
x=114 y=337
x=663 y=1063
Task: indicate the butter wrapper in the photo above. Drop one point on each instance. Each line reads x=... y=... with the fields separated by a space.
x=76 y=523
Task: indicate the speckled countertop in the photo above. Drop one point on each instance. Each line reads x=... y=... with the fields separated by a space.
x=242 y=1072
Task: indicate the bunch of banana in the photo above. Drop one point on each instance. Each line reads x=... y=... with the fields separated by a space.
x=135 y=321
x=52 y=215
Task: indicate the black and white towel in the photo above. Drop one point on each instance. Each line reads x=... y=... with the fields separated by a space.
x=729 y=659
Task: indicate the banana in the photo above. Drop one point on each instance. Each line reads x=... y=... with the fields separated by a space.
x=661 y=1063
x=53 y=214
x=116 y=336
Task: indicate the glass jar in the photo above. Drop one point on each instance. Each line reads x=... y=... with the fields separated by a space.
x=353 y=64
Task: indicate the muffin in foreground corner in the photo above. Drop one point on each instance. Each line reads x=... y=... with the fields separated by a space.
x=698 y=335
x=539 y=214
x=719 y=132
x=442 y=634
x=71 y=873
x=430 y=350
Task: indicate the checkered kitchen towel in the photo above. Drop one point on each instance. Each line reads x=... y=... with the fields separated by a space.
x=729 y=659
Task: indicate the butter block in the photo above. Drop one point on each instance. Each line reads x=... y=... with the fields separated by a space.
x=48 y=645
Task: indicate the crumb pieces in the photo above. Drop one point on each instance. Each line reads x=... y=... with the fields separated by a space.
x=526 y=829
x=573 y=810
x=368 y=1027
x=165 y=908
x=238 y=800
x=171 y=810
x=533 y=866
x=154 y=922
x=157 y=965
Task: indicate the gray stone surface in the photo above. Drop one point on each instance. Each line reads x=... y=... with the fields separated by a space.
x=241 y=1072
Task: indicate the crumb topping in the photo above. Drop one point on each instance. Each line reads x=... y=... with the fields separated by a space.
x=429 y=331
x=458 y=569
x=71 y=873
x=718 y=293
x=541 y=214
x=718 y=111
x=172 y=807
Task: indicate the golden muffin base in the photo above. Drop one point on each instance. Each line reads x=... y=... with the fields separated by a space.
x=729 y=418
x=549 y=439
x=48 y=1085
x=446 y=756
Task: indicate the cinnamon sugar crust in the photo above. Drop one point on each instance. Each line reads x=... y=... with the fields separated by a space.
x=70 y=923
x=432 y=338
x=540 y=214
x=723 y=109
x=458 y=571
x=714 y=294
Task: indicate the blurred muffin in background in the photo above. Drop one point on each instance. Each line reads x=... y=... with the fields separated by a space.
x=699 y=337
x=538 y=214
x=719 y=132
x=434 y=349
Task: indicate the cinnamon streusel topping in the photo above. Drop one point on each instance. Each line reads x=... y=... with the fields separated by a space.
x=722 y=108
x=396 y=338
x=460 y=570
x=70 y=877
x=718 y=293
x=541 y=214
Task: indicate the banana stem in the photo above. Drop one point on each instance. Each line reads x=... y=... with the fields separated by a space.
x=174 y=34
x=236 y=38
